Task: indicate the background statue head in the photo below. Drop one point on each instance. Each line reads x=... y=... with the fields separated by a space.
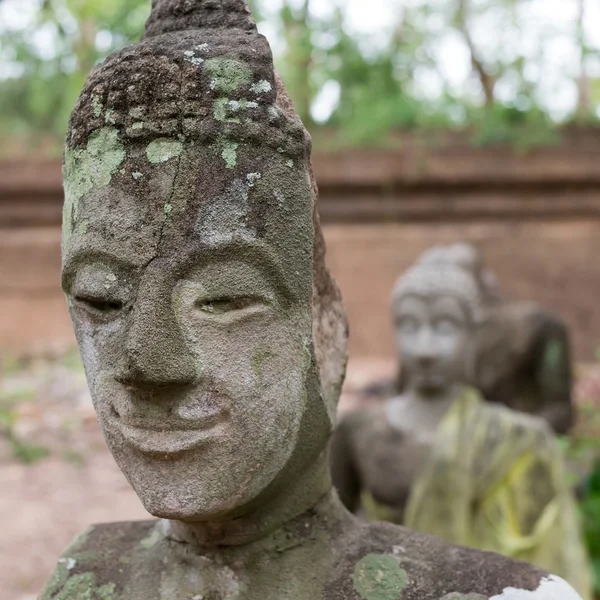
x=436 y=306
x=469 y=257
x=211 y=332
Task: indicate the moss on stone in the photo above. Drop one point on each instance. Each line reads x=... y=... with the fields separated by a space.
x=227 y=74
x=262 y=87
x=379 y=577
x=151 y=540
x=96 y=105
x=78 y=587
x=88 y=169
x=228 y=151
x=109 y=117
x=106 y=592
x=163 y=149
x=56 y=581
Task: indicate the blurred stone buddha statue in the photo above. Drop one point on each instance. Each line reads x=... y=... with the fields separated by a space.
x=214 y=339
x=522 y=354
x=439 y=459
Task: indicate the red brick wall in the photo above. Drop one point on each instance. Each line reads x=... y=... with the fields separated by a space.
x=555 y=264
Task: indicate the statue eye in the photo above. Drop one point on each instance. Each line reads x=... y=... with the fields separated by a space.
x=408 y=325
x=446 y=326
x=99 y=306
x=219 y=306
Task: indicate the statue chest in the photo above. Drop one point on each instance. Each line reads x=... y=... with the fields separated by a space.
x=389 y=461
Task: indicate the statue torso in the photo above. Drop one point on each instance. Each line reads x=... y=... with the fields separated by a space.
x=329 y=559
x=390 y=447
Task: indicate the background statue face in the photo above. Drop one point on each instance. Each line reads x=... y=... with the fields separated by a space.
x=432 y=334
x=193 y=315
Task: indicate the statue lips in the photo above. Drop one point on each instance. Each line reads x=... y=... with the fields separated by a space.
x=189 y=425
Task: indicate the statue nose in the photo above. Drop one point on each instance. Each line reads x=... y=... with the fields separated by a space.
x=426 y=350
x=156 y=350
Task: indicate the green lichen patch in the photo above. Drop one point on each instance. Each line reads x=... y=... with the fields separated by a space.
x=83 y=587
x=227 y=74
x=252 y=178
x=228 y=151
x=220 y=111
x=56 y=581
x=106 y=592
x=96 y=105
x=93 y=167
x=88 y=169
x=163 y=149
x=228 y=111
x=151 y=540
x=262 y=87
x=379 y=577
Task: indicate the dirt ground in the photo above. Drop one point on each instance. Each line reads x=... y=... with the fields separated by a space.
x=56 y=475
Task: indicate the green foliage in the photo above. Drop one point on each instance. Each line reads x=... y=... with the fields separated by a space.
x=36 y=102
x=507 y=125
x=590 y=511
x=582 y=452
x=379 y=79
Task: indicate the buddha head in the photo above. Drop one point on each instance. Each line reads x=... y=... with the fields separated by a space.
x=211 y=331
x=436 y=306
x=469 y=257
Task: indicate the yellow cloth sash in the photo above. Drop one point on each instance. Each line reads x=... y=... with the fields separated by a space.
x=495 y=480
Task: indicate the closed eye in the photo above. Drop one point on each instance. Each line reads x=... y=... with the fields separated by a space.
x=101 y=306
x=218 y=306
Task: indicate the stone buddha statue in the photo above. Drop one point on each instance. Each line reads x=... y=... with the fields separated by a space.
x=214 y=339
x=522 y=353
x=438 y=458
x=523 y=356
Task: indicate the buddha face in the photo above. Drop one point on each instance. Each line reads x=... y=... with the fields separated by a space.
x=189 y=284
x=432 y=334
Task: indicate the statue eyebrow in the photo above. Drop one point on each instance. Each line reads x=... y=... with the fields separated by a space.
x=253 y=252
x=85 y=256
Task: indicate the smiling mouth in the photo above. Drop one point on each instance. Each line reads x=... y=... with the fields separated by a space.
x=170 y=436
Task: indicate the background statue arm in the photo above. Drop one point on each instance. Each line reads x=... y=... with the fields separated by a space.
x=554 y=374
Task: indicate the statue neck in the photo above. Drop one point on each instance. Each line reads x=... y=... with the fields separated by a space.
x=310 y=489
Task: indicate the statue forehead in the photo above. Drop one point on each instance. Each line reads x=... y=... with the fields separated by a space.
x=435 y=303
x=437 y=281
x=171 y=197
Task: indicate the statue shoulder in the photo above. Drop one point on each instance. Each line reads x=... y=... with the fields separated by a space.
x=550 y=588
x=393 y=560
x=518 y=421
x=363 y=418
x=96 y=563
